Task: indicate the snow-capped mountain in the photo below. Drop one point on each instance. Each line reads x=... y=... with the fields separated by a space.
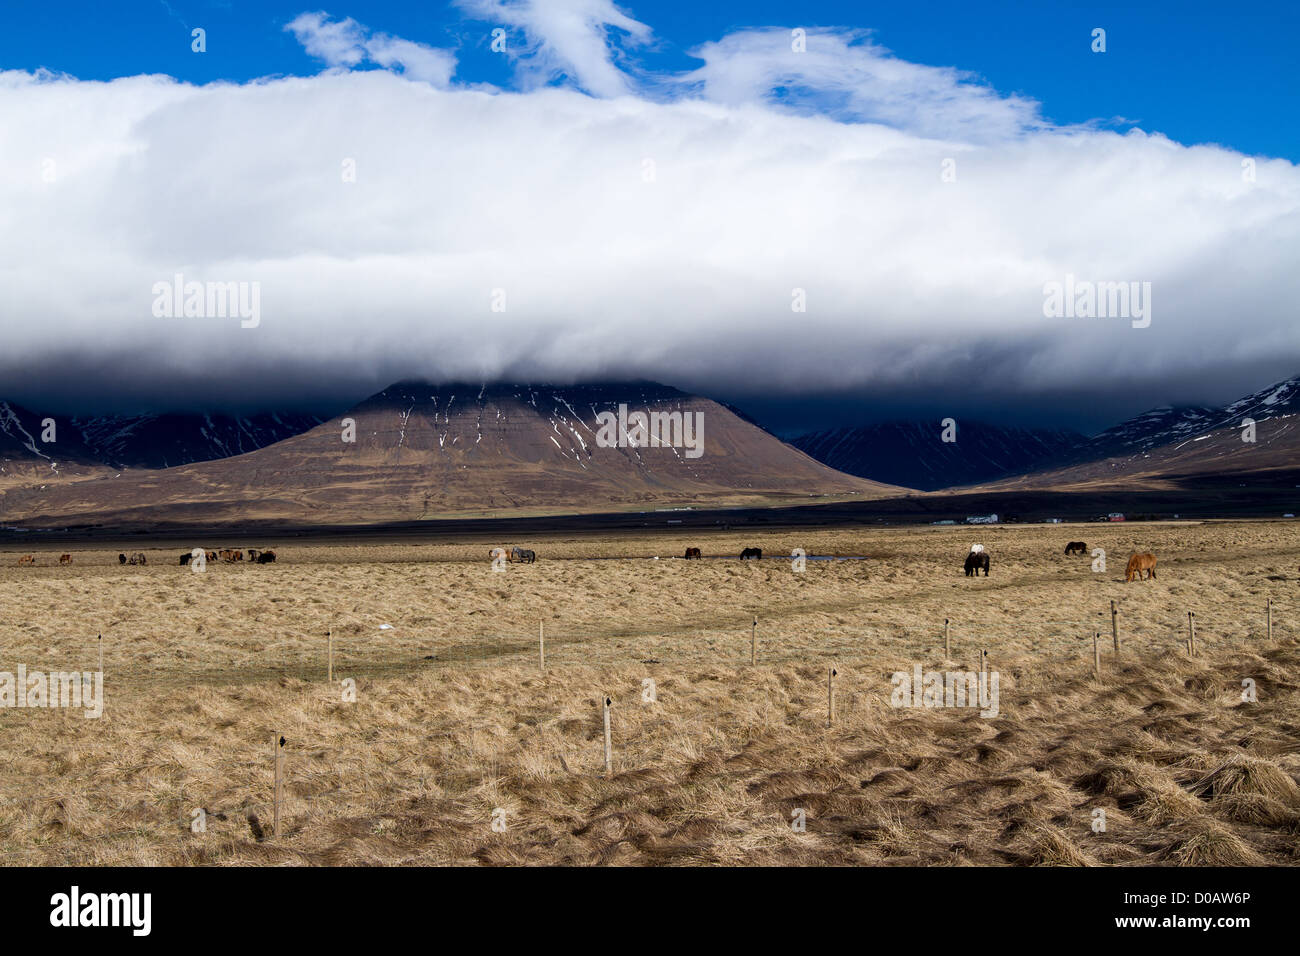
x=163 y=441
x=1257 y=435
x=31 y=440
x=39 y=447
x=914 y=454
x=1153 y=428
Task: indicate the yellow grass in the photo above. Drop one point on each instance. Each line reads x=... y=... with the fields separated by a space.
x=453 y=718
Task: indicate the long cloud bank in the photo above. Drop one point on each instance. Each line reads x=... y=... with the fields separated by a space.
x=619 y=224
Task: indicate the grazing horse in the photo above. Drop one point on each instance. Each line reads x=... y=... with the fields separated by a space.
x=137 y=558
x=230 y=555
x=121 y=559
x=523 y=555
x=1076 y=547
x=253 y=553
x=185 y=558
x=977 y=561
x=693 y=554
x=1139 y=563
x=212 y=556
x=27 y=559
x=266 y=557
x=756 y=553
x=65 y=559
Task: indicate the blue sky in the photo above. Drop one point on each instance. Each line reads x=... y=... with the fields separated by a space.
x=1199 y=72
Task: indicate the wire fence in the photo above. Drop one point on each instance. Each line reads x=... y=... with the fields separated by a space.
x=359 y=648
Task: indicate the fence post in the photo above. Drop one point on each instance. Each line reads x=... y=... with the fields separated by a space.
x=541 y=643
x=947 y=644
x=609 y=743
x=101 y=652
x=1114 y=625
x=984 y=661
x=278 y=743
x=1096 y=654
x=830 y=696
x=329 y=637
x=753 y=644
x=1270 y=620
x=1191 y=631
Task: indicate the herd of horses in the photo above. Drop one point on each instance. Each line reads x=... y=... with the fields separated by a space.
x=1137 y=563
x=515 y=555
x=1140 y=566
x=231 y=555
x=695 y=554
x=977 y=559
x=228 y=555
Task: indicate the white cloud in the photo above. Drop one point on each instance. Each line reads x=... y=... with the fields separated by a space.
x=844 y=73
x=346 y=43
x=576 y=38
x=686 y=278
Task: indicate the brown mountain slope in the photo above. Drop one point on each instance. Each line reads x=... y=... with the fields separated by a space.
x=424 y=451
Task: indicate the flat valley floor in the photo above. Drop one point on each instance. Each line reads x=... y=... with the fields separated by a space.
x=459 y=748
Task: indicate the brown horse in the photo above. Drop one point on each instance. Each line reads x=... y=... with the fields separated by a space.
x=65 y=559
x=693 y=554
x=1076 y=547
x=27 y=559
x=1139 y=563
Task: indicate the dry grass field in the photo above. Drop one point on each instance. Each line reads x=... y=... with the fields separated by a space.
x=454 y=719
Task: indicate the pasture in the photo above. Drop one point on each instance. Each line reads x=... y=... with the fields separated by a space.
x=455 y=726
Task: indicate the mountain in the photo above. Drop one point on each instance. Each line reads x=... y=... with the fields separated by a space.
x=1191 y=447
x=163 y=441
x=27 y=456
x=425 y=451
x=135 y=441
x=914 y=455
x=1159 y=426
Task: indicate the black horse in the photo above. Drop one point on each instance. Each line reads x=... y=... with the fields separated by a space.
x=1076 y=547
x=524 y=555
x=751 y=553
x=977 y=561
